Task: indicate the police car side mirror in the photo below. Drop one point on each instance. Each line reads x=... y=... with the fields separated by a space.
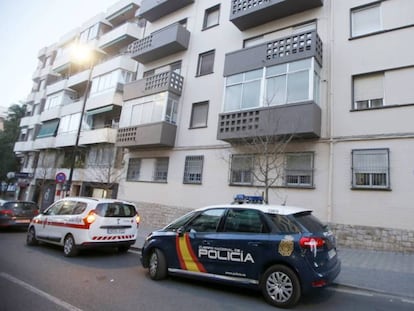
x=180 y=231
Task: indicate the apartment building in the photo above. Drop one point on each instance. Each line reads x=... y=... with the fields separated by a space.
x=307 y=101
x=74 y=108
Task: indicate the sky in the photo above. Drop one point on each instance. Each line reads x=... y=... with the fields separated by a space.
x=27 y=27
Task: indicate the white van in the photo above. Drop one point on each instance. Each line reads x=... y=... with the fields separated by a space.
x=76 y=223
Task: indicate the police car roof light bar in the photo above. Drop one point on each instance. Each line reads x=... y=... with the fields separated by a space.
x=253 y=199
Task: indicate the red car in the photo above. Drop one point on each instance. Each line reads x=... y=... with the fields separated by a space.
x=14 y=213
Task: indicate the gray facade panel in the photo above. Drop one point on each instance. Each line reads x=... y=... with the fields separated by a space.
x=161 y=134
x=152 y=10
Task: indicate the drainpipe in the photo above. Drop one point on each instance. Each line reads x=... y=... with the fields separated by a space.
x=331 y=117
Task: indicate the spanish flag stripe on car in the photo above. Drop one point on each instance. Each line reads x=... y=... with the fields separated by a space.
x=186 y=256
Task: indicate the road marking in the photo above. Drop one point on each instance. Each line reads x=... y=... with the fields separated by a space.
x=39 y=292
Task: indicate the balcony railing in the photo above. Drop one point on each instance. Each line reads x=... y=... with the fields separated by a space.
x=159 y=44
x=283 y=50
x=163 y=82
x=300 y=120
x=152 y=10
x=247 y=14
x=160 y=134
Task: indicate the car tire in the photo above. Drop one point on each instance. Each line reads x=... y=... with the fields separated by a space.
x=31 y=237
x=123 y=249
x=69 y=246
x=280 y=286
x=157 y=266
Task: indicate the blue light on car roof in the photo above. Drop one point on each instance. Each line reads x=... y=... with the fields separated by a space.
x=253 y=199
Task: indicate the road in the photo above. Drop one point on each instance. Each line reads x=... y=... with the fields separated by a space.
x=41 y=278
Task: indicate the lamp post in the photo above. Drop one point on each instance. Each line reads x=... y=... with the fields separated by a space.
x=81 y=54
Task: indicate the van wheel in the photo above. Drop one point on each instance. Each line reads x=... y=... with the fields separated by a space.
x=31 y=237
x=69 y=247
x=280 y=286
x=157 y=265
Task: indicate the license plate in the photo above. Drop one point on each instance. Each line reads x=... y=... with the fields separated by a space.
x=332 y=253
x=116 y=231
x=23 y=221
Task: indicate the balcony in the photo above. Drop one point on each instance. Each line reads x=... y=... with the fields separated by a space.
x=300 y=120
x=44 y=143
x=248 y=14
x=119 y=37
x=65 y=140
x=121 y=12
x=164 y=82
x=160 y=134
x=22 y=146
x=152 y=10
x=287 y=49
x=159 y=44
x=97 y=136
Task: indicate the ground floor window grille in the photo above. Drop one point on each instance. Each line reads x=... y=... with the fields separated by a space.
x=241 y=169
x=134 y=167
x=193 y=169
x=299 y=169
x=370 y=168
x=161 y=169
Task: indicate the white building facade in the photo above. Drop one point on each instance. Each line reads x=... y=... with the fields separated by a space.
x=326 y=82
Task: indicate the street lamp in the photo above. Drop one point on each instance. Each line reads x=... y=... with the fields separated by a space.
x=80 y=54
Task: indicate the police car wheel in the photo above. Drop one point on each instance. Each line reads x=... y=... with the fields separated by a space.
x=69 y=247
x=281 y=286
x=157 y=265
x=31 y=237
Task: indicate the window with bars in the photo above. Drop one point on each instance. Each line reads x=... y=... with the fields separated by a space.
x=134 y=167
x=241 y=169
x=205 y=63
x=299 y=169
x=193 y=169
x=161 y=169
x=370 y=169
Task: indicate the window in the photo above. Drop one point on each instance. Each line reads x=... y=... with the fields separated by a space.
x=69 y=124
x=366 y=20
x=110 y=80
x=211 y=17
x=199 y=115
x=134 y=167
x=161 y=169
x=101 y=155
x=243 y=90
x=281 y=84
x=241 y=169
x=299 y=169
x=149 y=109
x=89 y=34
x=193 y=169
x=370 y=169
x=205 y=63
x=244 y=221
x=207 y=221
x=369 y=91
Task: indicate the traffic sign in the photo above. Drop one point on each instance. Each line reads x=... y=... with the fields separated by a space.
x=60 y=177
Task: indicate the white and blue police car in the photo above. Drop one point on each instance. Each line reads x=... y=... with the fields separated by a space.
x=284 y=251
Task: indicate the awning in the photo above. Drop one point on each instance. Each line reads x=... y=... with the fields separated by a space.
x=48 y=128
x=100 y=110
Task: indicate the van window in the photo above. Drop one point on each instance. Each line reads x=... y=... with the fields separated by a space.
x=116 y=209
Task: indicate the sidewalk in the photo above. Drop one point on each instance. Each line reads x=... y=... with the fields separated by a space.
x=379 y=271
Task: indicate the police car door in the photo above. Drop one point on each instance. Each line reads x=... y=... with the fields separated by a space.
x=195 y=246
x=243 y=244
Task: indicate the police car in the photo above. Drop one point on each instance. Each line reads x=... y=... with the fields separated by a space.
x=76 y=223
x=284 y=251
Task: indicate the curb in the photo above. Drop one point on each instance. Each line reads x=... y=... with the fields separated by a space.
x=375 y=291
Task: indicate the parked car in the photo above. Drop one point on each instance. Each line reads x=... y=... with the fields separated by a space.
x=284 y=251
x=14 y=213
x=77 y=223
